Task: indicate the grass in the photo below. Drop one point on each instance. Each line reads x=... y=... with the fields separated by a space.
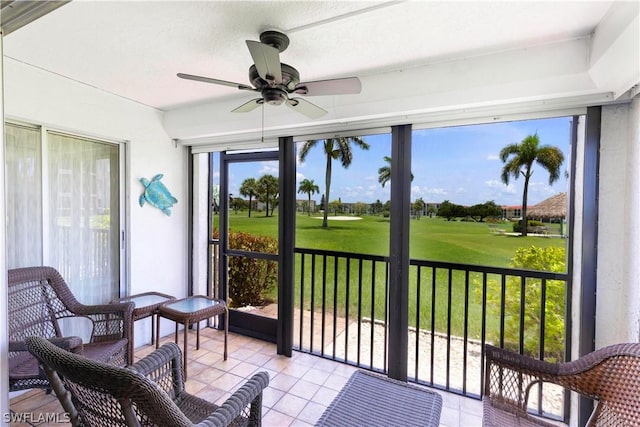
x=430 y=239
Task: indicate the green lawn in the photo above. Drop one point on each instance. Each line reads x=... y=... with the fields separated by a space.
x=430 y=239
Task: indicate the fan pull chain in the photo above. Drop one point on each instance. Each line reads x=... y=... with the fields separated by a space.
x=262 y=135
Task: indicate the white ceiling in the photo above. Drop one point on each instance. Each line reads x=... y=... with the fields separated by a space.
x=134 y=49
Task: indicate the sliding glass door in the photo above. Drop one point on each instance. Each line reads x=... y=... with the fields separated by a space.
x=64 y=201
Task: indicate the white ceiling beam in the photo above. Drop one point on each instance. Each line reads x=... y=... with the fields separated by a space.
x=542 y=75
x=615 y=49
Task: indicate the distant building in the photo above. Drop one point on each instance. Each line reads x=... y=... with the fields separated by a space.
x=301 y=205
x=512 y=212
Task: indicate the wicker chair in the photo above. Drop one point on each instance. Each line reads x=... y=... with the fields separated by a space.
x=39 y=303
x=609 y=375
x=148 y=393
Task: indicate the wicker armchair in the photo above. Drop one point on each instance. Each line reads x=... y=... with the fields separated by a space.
x=608 y=375
x=148 y=393
x=39 y=302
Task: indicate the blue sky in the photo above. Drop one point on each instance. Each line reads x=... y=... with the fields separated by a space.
x=459 y=164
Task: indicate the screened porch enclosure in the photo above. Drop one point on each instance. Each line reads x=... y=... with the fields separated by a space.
x=342 y=305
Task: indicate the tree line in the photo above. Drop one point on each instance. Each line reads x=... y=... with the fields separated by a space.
x=518 y=160
x=265 y=189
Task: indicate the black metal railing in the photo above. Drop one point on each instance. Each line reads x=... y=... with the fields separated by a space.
x=342 y=309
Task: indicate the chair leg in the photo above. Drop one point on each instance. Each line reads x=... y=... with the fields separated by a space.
x=255 y=411
x=63 y=396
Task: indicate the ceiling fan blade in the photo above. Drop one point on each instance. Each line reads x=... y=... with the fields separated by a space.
x=215 y=81
x=305 y=107
x=248 y=106
x=344 y=86
x=267 y=61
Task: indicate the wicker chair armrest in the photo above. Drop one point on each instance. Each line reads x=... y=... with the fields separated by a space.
x=520 y=363
x=250 y=393
x=111 y=308
x=73 y=344
x=509 y=378
x=105 y=316
x=164 y=367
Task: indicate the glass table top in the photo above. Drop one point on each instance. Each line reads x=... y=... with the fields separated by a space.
x=191 y=304
x=145 y=300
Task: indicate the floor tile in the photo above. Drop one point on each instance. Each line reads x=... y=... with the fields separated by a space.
x=276 y=419
x=312 y=412
x=300 y=387
x=290 y=405
x=304 y=389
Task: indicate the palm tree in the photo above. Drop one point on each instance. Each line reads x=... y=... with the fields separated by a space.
x=249 y=188
x=384 y=173
x=268 y=188
x=518 y=160
x=309 y=187
x=334 y=149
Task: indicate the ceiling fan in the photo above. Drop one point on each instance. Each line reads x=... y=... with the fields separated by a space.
x=276 y=80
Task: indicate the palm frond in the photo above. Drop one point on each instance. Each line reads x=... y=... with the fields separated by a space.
x=551 y=159
x=308 y=145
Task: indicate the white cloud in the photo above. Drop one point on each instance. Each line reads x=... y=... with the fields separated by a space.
x=429 y=192
x=269 y=168
x=493 y=183
x=493 y=157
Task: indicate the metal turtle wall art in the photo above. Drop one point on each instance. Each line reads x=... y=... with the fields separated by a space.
x=157 y=194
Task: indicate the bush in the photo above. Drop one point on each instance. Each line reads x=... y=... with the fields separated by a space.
x=517 y=228
x=532 y=258
x=249 y=278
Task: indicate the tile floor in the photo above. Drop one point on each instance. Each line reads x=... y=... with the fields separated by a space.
x=300 y=387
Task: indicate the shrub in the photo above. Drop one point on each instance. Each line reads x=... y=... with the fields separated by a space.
x=249 y=278
x=532 y=258
x=517 y=228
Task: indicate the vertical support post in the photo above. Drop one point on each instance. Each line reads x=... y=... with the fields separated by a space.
x=190 y=225
x=223 y=231
x=399 y=251
x=589 y=234
x=286 y=243
x=569 y=233
x=211 y=281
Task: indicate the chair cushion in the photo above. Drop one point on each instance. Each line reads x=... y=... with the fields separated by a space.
x=23 y=366
x=112 y=352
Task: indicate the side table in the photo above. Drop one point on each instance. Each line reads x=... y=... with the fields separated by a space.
x=190 y=310
x=145 y=305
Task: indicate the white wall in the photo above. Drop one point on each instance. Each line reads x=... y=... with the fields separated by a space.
x=157 y=250
x=618 y=293
x=4 y=332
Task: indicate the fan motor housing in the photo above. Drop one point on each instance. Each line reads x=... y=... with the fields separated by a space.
x=290 y=78
x=274 y=96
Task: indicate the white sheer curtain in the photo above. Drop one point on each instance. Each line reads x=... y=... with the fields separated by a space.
x=83 y=213
x=24 y=196
x=63 y=209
